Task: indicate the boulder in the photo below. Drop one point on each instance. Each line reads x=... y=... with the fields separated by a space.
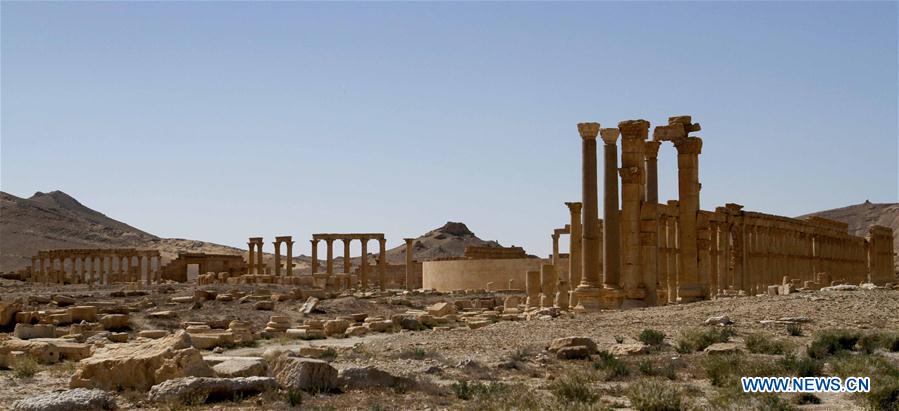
x=333 y=327
x=115 y=322
x=310 y=305
x=563 y=342
x=356 y=331
x=8 y=310
x=365 y=377
x=441 y=309
x=264 y=305
x=719 y=320
x=28 y=331
x=721 y=348
x=79 y=399
x=576 y=352
x=141 y=364
x=202 y=389
x=628 y=349
x=304 y=373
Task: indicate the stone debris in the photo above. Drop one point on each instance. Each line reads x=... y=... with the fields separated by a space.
x=204 y=389
x=141 y=364
x=310 y=305
x=79 y=399
x=573 y=347
x=366 y=377
x=307 y=374
x=721 y=348
x=719 y=320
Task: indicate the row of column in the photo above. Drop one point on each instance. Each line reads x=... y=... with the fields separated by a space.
x=363 y=267
x=95 y=269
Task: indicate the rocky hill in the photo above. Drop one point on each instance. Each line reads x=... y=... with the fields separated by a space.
x=861 y=216
x=447 y=241
x=56 y=220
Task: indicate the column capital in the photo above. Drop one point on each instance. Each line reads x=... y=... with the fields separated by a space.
x=409 y=240
x=588 y=130
x=555 y=236
x=630 y=174
x=609 y=135
x=574 y=207
x=634 y=129
x=651 y=149
x=688 y=145
x=314 y=241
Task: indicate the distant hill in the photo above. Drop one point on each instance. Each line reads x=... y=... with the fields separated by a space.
x=864 y=215
x=56 y=220
x=447 y=241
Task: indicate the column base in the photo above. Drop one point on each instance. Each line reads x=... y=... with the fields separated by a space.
x=688 y=293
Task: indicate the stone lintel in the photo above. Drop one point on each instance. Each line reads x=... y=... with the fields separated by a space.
x=686 y=121
x=285 y=238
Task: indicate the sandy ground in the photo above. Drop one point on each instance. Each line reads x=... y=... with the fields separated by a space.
x=436 y=359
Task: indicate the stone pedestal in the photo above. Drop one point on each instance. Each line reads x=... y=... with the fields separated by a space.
x=548 y=282
x=532 y=287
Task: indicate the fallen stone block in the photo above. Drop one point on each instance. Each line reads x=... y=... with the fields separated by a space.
x=204 y=389
x=243 y=367
x=563 y=342
x=79 y=399
x=304 y=373
x=366 y=377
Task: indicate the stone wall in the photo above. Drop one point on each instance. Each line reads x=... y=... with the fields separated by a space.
x=475 y=274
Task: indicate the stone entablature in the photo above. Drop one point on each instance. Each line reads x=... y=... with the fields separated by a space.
x=98 y=266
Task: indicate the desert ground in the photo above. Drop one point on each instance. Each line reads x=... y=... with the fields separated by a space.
x=425 y=350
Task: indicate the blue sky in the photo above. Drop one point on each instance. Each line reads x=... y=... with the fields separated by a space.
x=220 y=121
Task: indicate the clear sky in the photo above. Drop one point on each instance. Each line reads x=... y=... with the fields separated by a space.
x=220 y=121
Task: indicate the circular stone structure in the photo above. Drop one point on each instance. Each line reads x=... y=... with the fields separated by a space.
x=449 y=275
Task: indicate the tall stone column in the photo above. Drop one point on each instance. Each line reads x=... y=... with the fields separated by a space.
x=382 y=263
x=588 y=292
x=409 y=251
x=633 y=137
x=251 y=258
x=259 y=254
x=347 y=264
x=277 y=245
x=611 y=232
x=555 y=237
x=650 y=220
x=329 y=261
x=363 y=264
x=689 y=284
x=289 y=244
x=314 y=262
x=574 y=252
x=703 y=249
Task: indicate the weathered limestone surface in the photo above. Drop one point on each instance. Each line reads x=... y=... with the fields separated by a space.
x=185 y=389
x=79 y=399
x=141 y=365
x=304 y=373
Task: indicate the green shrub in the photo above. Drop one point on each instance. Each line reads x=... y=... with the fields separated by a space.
x=25 y=367
x=329 y=354
x=698 y=339
x=573 y=388
x=611 y=367
x=804 y=366
x=764 y=344
x=647 y=368
x=651 y=337
x=656 y=395
x=466 y=390
x=794 y=329
x=831 y=342
x=884 y=394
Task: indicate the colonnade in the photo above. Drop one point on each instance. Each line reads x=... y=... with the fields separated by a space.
x=347 y=239
x=675 y=252
x=96 y=266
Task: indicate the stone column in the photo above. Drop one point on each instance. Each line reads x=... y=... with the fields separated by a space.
x=329 y=259
x=259 y=255
x=649 y=219
x=277 y=245
x=703 y=246
x=555 y=237
x=633 y=136
x=574 y=251
x=532 y=287
x=363 y=264
x=251 y=257
x=409 y=251
x=611 y=241
x=689 y=284
x=314 y=262
x=289 y=244
x=548 y=285
x=347 y=264
x=588 y=292
x=382 y=263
